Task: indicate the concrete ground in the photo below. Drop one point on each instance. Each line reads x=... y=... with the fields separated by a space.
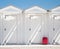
x=30 y=47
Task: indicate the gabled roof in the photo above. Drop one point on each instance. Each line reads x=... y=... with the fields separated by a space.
x=35 y=9
x=10 y=9
x=56 y=10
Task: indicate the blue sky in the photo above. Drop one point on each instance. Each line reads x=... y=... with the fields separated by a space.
x=24 y=4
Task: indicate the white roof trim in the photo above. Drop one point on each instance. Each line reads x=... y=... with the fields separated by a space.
x=56 y=8
x=12 y=7
x=36 y=7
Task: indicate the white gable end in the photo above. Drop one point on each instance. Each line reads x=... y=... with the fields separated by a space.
x=10 y=9
x=56 y=10
x=35 y=9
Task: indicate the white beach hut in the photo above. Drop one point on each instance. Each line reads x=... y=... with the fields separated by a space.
x=55 y=16
x=11 y=25
x=35 y=25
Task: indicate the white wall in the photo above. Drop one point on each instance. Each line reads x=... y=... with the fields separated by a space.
x=26 y=26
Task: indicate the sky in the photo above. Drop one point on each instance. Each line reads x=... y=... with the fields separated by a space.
x=25 y=4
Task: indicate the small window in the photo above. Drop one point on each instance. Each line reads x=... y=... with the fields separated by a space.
x=56 y=17
x=8 y=17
